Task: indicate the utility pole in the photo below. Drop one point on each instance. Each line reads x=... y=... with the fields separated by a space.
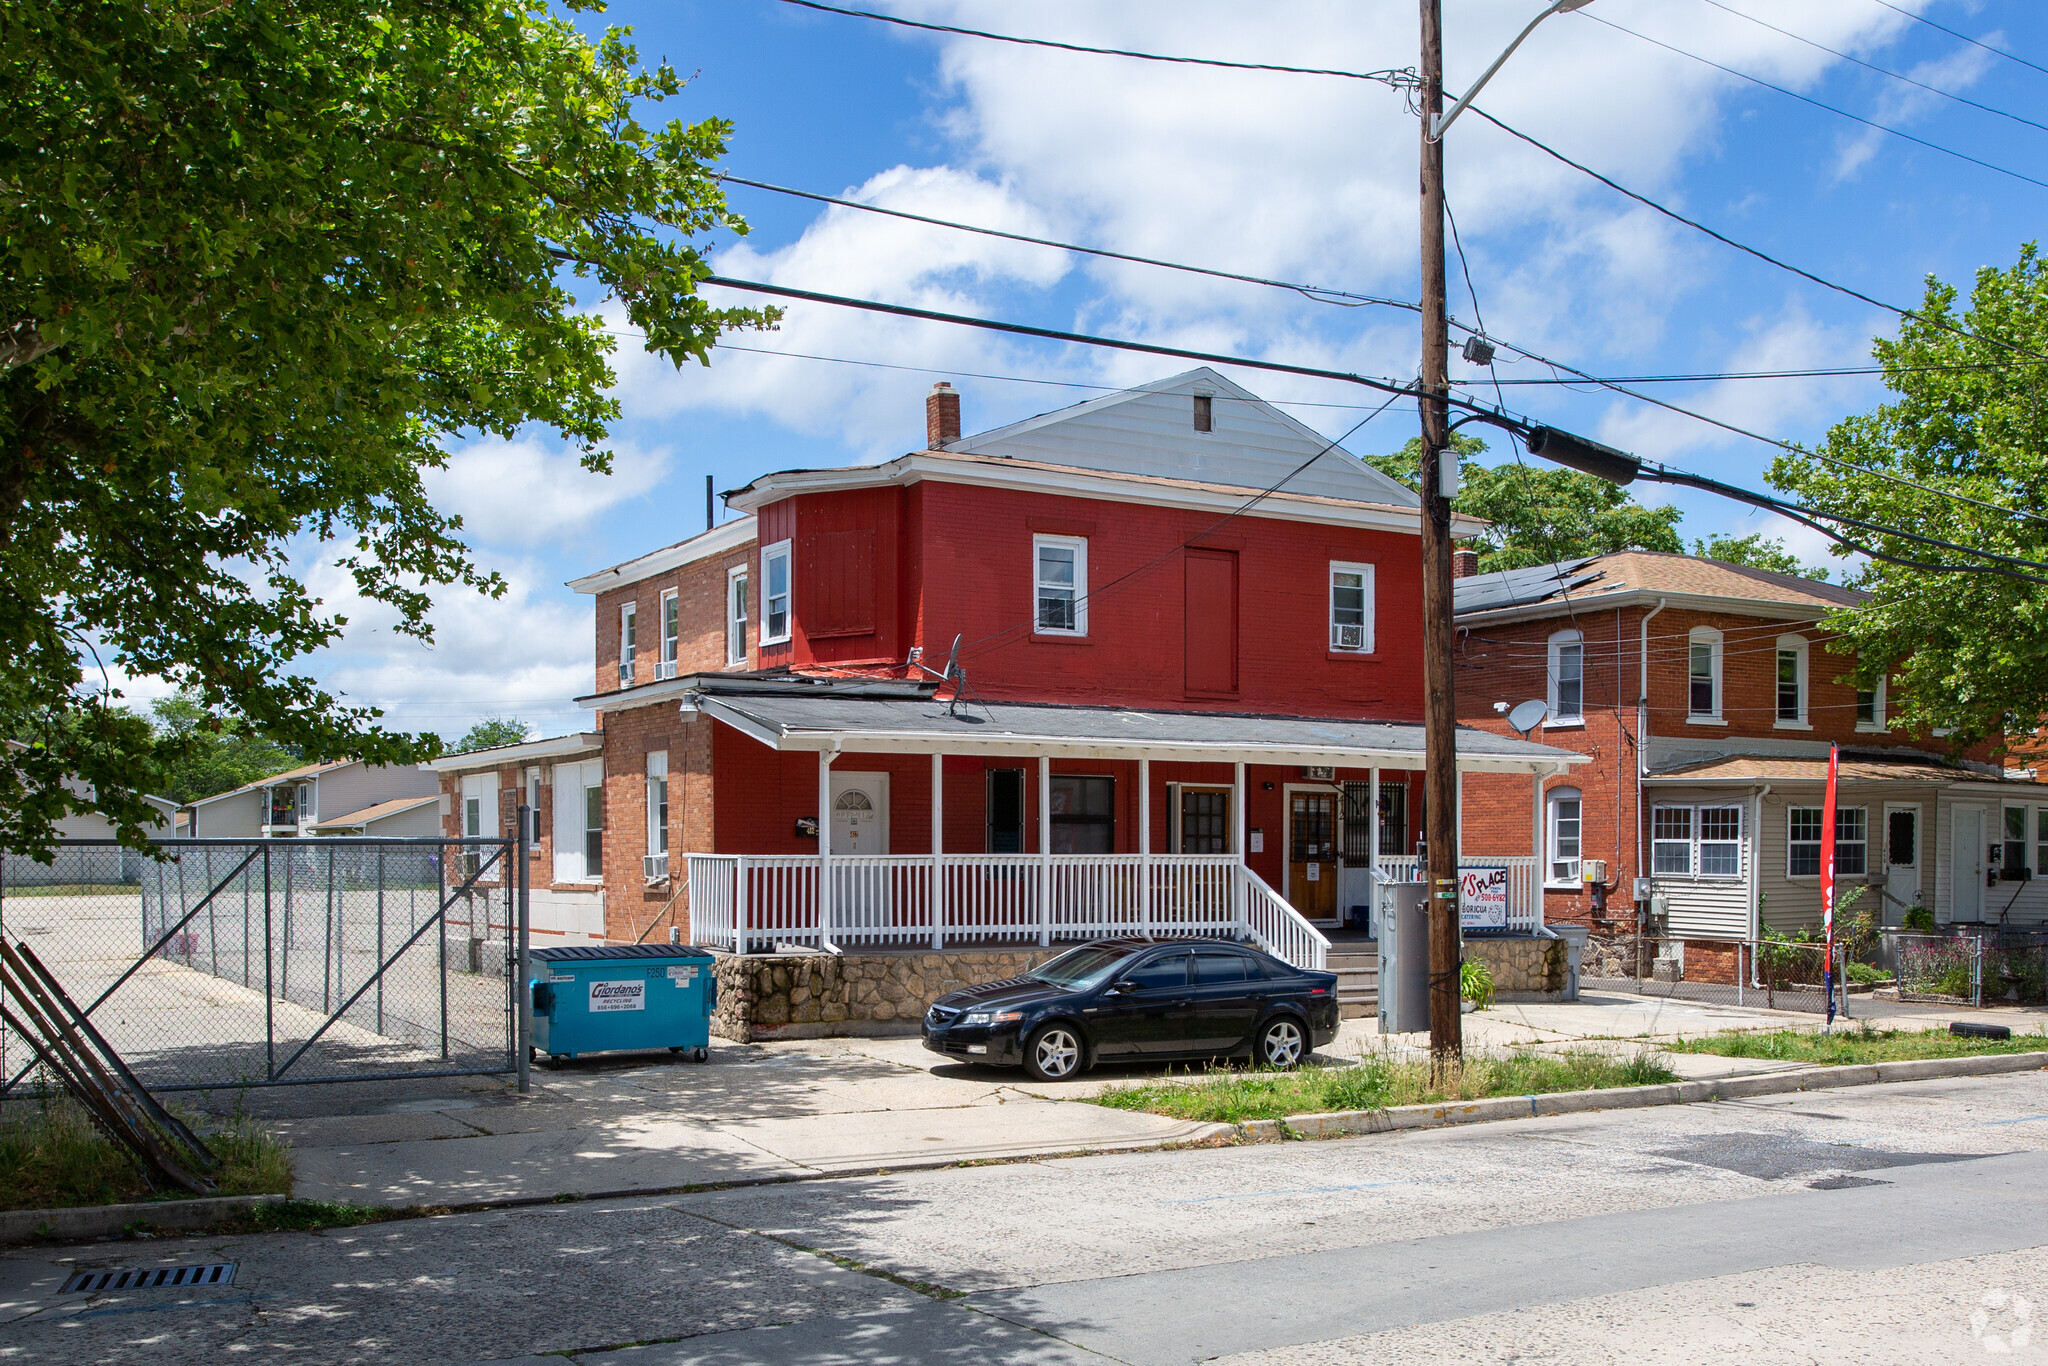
x=1438 y=479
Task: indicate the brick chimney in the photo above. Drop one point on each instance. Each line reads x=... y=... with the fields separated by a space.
x=1464 y=563
x=941 y=416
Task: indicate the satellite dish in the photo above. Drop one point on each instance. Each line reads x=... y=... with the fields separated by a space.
x=1527 y=716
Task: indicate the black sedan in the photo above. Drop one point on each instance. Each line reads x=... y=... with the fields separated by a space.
x=1139 y=1000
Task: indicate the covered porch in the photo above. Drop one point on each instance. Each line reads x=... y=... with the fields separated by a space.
x=950 y=825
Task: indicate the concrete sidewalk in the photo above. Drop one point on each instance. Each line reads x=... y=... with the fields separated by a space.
x=835 y=1106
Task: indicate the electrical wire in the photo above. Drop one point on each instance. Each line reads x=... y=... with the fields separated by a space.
x=1396 y=78
x=1872 y=66
x=1313 y=292
x=1817 y=104
x=1995 y=51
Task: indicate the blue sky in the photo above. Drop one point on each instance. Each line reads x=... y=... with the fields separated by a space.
x=1296 y=177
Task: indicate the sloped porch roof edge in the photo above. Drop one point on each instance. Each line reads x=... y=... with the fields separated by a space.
x=931 y=726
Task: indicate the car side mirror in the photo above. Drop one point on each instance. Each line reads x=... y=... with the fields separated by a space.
x=1122 y=987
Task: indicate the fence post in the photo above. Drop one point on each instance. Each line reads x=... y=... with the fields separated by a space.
x=380 y=941
x=524 y=1043
x=269 y=997
x=441 y=931
x=739 y=905
x=1977 y=972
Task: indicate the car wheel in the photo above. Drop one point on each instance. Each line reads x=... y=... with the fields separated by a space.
x=1053 y=1053
x=1283 y=1043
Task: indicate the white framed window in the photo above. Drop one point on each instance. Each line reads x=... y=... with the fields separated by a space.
x=1565 y=822
x=1870 y=708
x=1671 y=841
x=736 y=616
x=629 y=639
x=1060 y=585
x=671 y=633
x=1720 y=841
x=775 y=594
x=305 y=802
x=2041 y=839
x=1791 y=684
x=657 y=801
x=1567 y=679
x=2014 y=862
x=579 y=821
x=1803 y=827
x=1351 y=607
x=1703 y=675
x=1201 y=822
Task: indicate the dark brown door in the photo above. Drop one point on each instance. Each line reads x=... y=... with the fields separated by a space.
x=1212 y=621
x=1312 y=854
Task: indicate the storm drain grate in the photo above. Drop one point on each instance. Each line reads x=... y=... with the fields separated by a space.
x=151 y=1278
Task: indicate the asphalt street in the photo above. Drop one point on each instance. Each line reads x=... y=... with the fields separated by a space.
x=1878 y=1223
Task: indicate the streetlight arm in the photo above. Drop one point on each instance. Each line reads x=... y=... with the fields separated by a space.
x=1442 y=122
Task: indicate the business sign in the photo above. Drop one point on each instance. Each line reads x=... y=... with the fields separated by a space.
x=1482 y=898
x=618 y=995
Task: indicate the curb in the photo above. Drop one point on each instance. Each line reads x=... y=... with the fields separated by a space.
x=96 y=1221
x=1343 y=1123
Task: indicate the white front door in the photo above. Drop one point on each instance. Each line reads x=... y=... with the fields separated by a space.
x=1902 y=860
x=1966 y=864
x=860 y=828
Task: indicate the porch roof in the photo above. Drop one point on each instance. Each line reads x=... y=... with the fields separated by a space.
x=1745 y=768
x=931 y=726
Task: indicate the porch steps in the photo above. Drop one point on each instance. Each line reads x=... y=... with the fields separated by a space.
x=1358 y=980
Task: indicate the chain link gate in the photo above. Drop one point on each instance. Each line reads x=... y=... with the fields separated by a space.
x=276 y=962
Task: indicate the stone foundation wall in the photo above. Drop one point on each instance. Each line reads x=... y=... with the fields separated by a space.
x=808 y=996
x=1525 y=969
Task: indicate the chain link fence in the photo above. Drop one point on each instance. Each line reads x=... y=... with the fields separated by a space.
x=227 y=963
x=1772 y=974
x=1972 y=969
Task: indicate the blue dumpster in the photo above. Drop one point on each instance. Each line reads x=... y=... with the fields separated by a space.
x=604 y=997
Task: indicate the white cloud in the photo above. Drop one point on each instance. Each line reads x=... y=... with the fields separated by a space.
x=531 y=492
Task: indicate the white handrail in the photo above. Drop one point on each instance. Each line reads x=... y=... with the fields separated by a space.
x=1277 y=927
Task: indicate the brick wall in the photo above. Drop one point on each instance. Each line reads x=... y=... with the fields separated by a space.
x=700 y=645
x=631 y=907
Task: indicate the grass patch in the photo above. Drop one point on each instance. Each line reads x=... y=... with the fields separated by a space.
x=74 y=889
x=51 y=1157
x=296 y=1216
x=1864 y=1044
x=1233 y=1096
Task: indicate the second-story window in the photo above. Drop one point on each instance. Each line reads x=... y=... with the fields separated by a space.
x=629 y=639
x=1703 y=674
x=1062 y=585
x=1792 y=681
x=1351 y=607
x=1870 y=707
x=671 y=633
x=736 y=617
x=1567 y=678
x=775 y=594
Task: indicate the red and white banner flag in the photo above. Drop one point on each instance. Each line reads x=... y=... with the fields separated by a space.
x=1827 y=881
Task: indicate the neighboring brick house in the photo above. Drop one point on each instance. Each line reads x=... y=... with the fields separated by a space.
x=1142 y=662
x=561 y=779
x=1707 y=695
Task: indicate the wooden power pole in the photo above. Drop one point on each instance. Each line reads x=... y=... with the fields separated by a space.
x=1440 y=716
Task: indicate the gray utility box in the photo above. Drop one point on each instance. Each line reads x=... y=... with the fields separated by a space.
x=1401 y=924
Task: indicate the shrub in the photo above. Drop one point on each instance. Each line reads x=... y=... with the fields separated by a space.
x=1475 y=982
x=1919 y=919
x=1867 y=975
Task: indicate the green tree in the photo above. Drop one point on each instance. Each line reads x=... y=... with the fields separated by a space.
x=491 y=732
x=259 y=263
x=1541 y=515
x=1756 y=550
x=1969 y=651
x=216 y=754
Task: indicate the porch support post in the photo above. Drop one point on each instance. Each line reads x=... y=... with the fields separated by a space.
x=1145 y=847
x=825 y=757
x=938 y=890
x=1538 y=874
x=1044 y=850
x=1237 y=796
x=1372 y=849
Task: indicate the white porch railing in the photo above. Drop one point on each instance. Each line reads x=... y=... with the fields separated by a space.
x=1525 y=905
x=748 y=903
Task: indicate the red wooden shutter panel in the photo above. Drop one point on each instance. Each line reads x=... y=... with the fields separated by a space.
x=838 y=577
x=1211 y=621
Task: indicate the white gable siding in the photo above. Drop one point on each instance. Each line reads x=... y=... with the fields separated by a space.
x=1150 y=432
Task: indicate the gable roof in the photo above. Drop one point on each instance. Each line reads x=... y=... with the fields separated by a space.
x=1634 y=576
x=370 y=815
x=1149 y=430
x=303 y=771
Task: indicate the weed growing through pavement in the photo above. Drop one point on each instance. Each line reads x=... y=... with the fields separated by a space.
x=1863 y=1043
x=1233 y=1095
x=52 y=1156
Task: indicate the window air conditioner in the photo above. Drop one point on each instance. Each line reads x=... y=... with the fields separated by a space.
x=1351 y=637
x=1593 y=870
x=655 y=866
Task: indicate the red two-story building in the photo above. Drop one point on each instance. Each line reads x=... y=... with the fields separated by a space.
x=1146 y=664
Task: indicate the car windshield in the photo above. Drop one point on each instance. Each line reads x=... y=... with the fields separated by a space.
x=1079 y=968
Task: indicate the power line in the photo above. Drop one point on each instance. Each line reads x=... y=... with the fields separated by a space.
x=1817 y=104
x=2004 y=565
x=1872 y=66
x=1397 y=78
x=1995 y=51
x=1313 y=292
x=1716 y=376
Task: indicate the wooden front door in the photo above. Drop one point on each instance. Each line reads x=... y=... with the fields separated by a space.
x=1312 y=854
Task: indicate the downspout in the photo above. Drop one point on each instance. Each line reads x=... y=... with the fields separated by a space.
x=1756 y=871
x=1643 y=728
